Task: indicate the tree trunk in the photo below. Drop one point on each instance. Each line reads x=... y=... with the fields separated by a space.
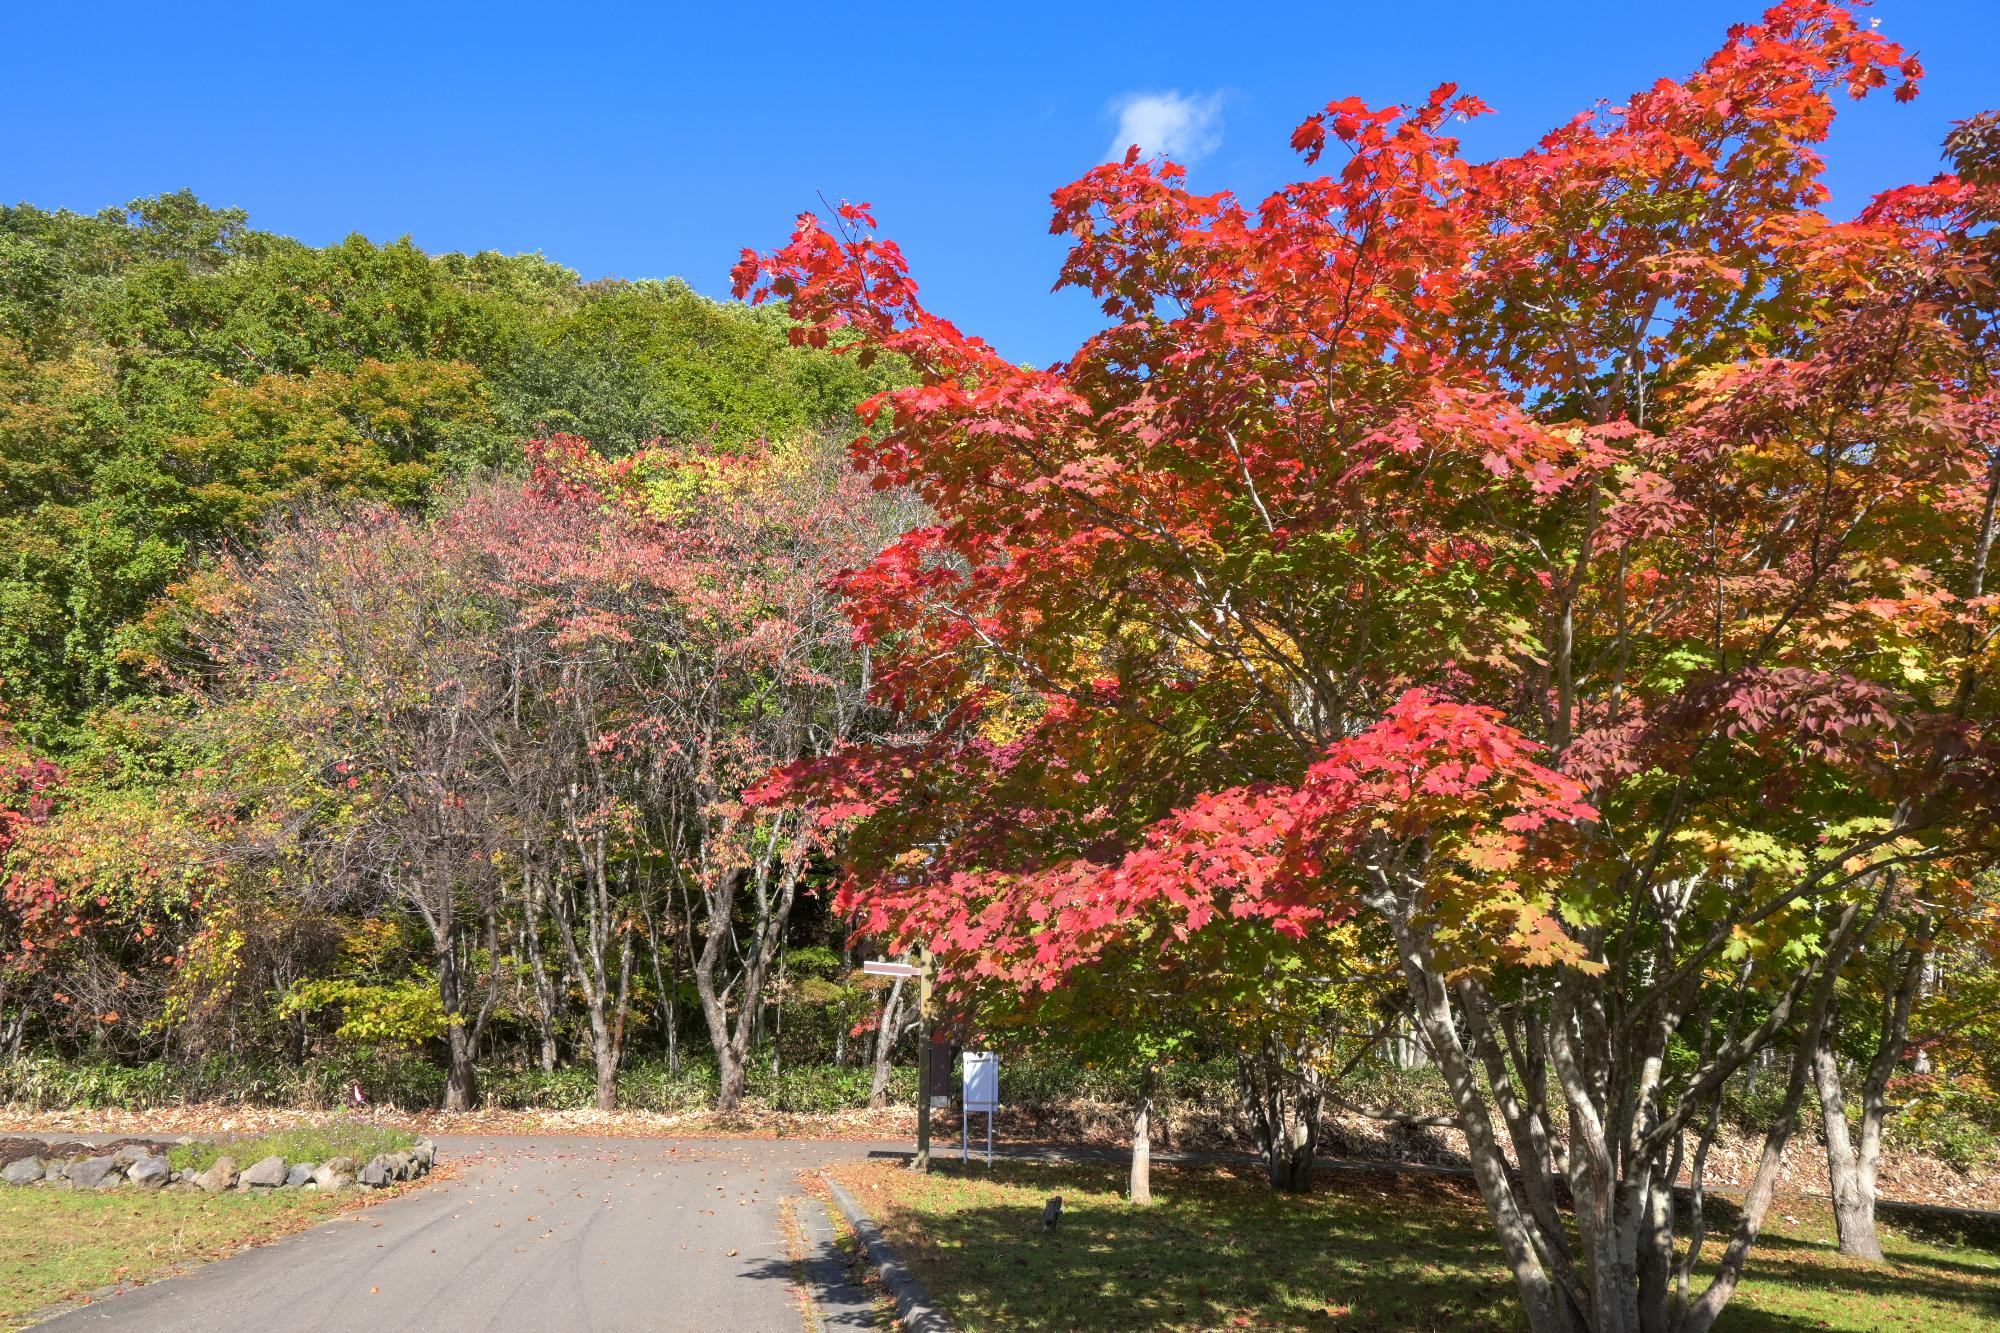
x=585 y=909
x=1549 y=1307
x=1291 y=1168
x=1700 y=1316
x=776 y=879
x=607 y=1096
x=1525 y=1117
x=1655 y=1258
x=886 y=1032
x=1851 y=1168
x=10 y=1030
x=778 y=1024
x=1140 y=1186
x=538 y=966
x=1604 y=1205
x=1853 y=1215
x=1920 y=1059
x=733 y=1072
x=1282 y=1100
x=605 y=1052
x=673 y=1022
x=461 y=1089
x=669 y=1012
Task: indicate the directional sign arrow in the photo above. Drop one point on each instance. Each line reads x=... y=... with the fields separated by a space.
x=876 y=968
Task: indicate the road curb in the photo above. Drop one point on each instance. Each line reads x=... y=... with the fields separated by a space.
x=912 y=1303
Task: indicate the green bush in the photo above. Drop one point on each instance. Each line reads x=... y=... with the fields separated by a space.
x=825 y=1088
x=646 y=1085
x=1945 y=1118
x=642 y=1086
x=1031 y=1079
x=413 y=1082
x=46 y=1083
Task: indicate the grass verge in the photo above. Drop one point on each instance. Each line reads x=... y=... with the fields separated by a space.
x=58 y=1246
x=302 y=1143
x=1373 y=1250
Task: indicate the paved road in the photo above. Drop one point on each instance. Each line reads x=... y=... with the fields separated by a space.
x=542 y=1234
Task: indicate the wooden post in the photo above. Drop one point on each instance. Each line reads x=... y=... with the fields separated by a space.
x=922 y=1161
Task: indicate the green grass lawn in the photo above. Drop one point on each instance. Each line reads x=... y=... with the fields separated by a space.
x=1219 y=1250
x=58 y=1246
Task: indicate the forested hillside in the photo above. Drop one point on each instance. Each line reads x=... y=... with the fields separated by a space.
x=172 y=377
x=269 y=528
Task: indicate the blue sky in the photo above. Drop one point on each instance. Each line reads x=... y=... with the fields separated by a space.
x=646 y=140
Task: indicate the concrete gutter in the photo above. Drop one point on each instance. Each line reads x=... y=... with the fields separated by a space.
x=912 y=1303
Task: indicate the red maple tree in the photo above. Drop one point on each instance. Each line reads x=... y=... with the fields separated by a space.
x=1571 y=566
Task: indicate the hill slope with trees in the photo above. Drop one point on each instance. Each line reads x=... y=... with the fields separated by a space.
x=282 y=590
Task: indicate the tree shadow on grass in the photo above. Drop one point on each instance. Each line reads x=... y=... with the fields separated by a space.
x=1959 y=1228
x=1367 y=1251
x=1796 y=1276
x=1861 y=1298
x=1377 y=1250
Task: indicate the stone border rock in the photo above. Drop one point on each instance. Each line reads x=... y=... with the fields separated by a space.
x=142 y=1167
x=913 y=1304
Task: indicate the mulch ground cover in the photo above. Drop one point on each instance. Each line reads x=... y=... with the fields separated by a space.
x=13 y=1150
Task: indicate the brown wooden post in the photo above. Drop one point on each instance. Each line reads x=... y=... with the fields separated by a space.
x=922 y=1161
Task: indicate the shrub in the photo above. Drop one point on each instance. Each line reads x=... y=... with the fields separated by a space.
x=48 y=1083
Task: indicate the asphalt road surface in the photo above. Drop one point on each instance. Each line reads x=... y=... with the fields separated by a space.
x=542 y=1234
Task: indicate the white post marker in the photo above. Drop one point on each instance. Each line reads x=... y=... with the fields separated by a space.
x=981 y=1093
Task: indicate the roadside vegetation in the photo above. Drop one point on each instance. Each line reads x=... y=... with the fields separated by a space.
x=59 y=1246
x=304 y=1143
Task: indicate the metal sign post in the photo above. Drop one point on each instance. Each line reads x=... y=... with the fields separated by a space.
x=981 y=1091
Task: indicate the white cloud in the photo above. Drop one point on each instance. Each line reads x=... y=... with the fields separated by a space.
x=1184 y=128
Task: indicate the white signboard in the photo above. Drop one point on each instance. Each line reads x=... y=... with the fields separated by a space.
x=982 y=1081
x=981 y=1092
x=875 y=968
